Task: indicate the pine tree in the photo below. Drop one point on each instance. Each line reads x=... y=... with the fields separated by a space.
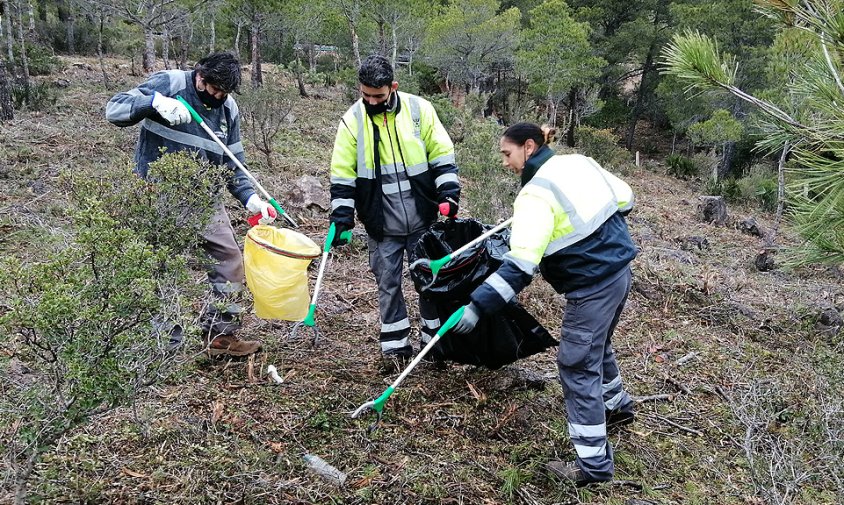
x=807 y=118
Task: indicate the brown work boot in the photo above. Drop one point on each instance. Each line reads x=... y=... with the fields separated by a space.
x=233 y=346
x=567 y=471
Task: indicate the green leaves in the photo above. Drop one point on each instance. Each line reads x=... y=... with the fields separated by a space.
x=694 y=58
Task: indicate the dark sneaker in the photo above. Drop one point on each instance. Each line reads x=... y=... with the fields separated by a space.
x=216 y=322
x=619 y=417
x=177 y=338
x=393 y=362
x=232 y=346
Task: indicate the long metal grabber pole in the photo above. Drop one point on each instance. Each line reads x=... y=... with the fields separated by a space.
x=273 y=202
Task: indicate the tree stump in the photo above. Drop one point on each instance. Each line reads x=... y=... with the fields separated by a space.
x=749 y=226
x=713 y=210
x=765 y=260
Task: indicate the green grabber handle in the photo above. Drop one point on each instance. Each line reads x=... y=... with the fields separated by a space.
x=329 y=239
x=436 y=265
x=201 y=122
x=378 y=404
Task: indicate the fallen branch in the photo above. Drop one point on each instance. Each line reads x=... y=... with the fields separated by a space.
x=679 y=426
x=688 y=357
x=678 y=385
x=653 y=398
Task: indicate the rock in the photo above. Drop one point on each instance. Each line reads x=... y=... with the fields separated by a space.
x=765 y=261
x=713 y=210
x=62 y=83
x=511 y=378
x=750 y=227
x=829 y=322
x=674 y=255
x=290 y=118
x=692 y=243
x=309 y=192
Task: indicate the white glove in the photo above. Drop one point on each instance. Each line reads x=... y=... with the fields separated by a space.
x=256 y=205
x=172 y=110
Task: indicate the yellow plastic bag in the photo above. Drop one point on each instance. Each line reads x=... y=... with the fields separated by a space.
x=276 y=262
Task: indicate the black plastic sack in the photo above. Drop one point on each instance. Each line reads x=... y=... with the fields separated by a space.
x=498 y=339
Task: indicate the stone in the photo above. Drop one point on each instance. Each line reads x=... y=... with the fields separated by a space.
x=713 y=210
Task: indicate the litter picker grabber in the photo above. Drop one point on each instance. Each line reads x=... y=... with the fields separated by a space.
x=378 y=404
x=436 y=265
x=309 y=319
x=273 y=202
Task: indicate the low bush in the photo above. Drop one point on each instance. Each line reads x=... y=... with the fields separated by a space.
x=79 y=317
x=36 y=96
x=603 y=146
x=681 y=167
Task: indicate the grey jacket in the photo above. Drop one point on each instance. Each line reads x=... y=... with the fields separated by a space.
x=134 y=106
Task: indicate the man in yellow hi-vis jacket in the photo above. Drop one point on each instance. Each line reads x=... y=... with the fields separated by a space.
x=568 y=224
x=393 y=163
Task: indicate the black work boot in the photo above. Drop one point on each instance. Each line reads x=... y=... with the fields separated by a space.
x=216 y=322
x=620 y=416
x=567 y=471
x=392 y=362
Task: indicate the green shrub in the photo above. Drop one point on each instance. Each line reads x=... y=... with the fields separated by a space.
x=759 y=187
x=78 y=318
x=40 y=59
x=407 y=83
x=603 y=146
x=36 y=96
x=681 y=166
x=450 y=116
x=489 y=188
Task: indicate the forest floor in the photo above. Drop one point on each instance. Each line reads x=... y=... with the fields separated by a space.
x=726 y=363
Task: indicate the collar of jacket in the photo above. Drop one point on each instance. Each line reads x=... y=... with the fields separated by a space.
x=395 y=109
x=534 y=162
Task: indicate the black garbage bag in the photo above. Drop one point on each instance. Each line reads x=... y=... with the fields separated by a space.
x=498 y=339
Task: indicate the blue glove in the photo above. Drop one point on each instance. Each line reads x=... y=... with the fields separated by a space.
x=469 y=320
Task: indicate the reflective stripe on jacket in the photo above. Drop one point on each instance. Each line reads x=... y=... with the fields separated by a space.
x=568 y=223
x=415 y=168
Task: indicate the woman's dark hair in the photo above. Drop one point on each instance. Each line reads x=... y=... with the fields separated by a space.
x=519 y=133
x=221 y=70
x=375 y=71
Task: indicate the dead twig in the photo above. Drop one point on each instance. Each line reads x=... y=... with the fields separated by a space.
x=688 y=357
x=653 y=398
x=678 y=385
x=677 y=425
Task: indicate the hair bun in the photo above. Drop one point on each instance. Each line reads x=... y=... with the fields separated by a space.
x=549 y=133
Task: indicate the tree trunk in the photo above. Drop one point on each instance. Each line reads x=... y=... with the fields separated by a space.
x=572 y=105
x=302 y=91
x=237 y=39
x=185 y=49
x=6 y=110
x=213 y=42
x=31 y=17
x=10 y=36
x=771 y=237
x=395 y=46
x=24 y=59
x=355 y=42
x=66 y=17
x=100 y=49
x=257 y=76
x=165 y=48
x=382 y=38
x=42 y=12
x=726 y=162
x=644 y=84
x=312 y=59
x=149 y=50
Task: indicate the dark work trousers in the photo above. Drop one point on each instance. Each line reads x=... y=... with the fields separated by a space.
x=590 y=376
x=225 y=272
x=386 y=262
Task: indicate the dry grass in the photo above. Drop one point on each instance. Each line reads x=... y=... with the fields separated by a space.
x=221 y=432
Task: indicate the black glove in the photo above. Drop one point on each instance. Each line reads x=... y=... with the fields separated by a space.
x=342 y=235
x=448 y=207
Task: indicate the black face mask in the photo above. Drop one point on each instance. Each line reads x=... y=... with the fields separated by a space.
x=378 y=108
x=209 y=100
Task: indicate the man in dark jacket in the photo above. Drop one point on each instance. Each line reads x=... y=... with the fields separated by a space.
x=166 y=125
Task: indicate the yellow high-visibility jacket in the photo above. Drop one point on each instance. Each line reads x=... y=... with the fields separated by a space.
x=392 y=168
x=568 y=223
